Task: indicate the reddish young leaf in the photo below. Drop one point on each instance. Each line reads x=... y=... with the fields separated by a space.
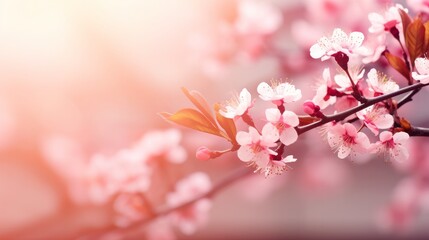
x=405 y=124
x=193 y=119
x=227 y=124
x=415 y=39
x=406 y=20
x=398 y=64
x=426 y=45
x=305 y=120
x=200 y=102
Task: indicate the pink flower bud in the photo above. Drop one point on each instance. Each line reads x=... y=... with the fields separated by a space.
x=310 y=108
x=203 y=153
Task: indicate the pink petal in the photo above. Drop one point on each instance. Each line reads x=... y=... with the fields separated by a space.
x=350 y=129
x=272 y=115
x=270 y=135
x=363 y=140
x=399 y=153
x=385 y=136
x=384 y=121
x=290 y=118
x=254 y=134
x=400 y=137
x=261 y=159
x=243 y=138
x=245 y=153
x=288 y=136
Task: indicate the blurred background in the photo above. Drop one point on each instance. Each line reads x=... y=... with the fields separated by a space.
x=94 y=74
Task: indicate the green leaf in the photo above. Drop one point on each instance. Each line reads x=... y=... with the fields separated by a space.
x=193 y=119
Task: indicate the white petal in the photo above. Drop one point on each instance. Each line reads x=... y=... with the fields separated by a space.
x=265 y=91
x=289 y=159
x=344 y=151
x=319 y=49
x=422 y=78
x=245 y=97
x=339 y=37
x=355 y=39
x=422 y=66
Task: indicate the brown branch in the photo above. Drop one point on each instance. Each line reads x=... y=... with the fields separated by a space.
x=418 y=132
x=371 y=101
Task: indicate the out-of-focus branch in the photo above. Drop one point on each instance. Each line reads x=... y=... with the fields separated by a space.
x=137 y=225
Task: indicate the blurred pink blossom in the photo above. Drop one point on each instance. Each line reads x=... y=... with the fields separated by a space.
x=187 y=219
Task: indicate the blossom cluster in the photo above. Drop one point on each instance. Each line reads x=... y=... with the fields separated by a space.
x=130 y=178
x=356 y=105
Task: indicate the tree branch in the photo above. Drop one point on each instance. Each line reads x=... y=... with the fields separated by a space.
x=371 y=101
x=418 y=132
x=137 y=225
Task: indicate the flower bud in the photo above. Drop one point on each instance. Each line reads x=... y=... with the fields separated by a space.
x=203 y=153
x=310 y=108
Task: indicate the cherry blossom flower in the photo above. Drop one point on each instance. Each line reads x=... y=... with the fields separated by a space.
x=255 y=148
x=129 y=208
x=339 y=42
x=391 y=18
x=393 y=145
x=285 y=123
x=345 y=139
x=374 y=47
x=258 y=18
x=343 y=81
x=164 y=143
x=380 y=84
x=278 y=92
x=238 y=105
x=190 y=217
x=277 y=167
x=375 y=118
x=422 y=67
x=323 y=98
